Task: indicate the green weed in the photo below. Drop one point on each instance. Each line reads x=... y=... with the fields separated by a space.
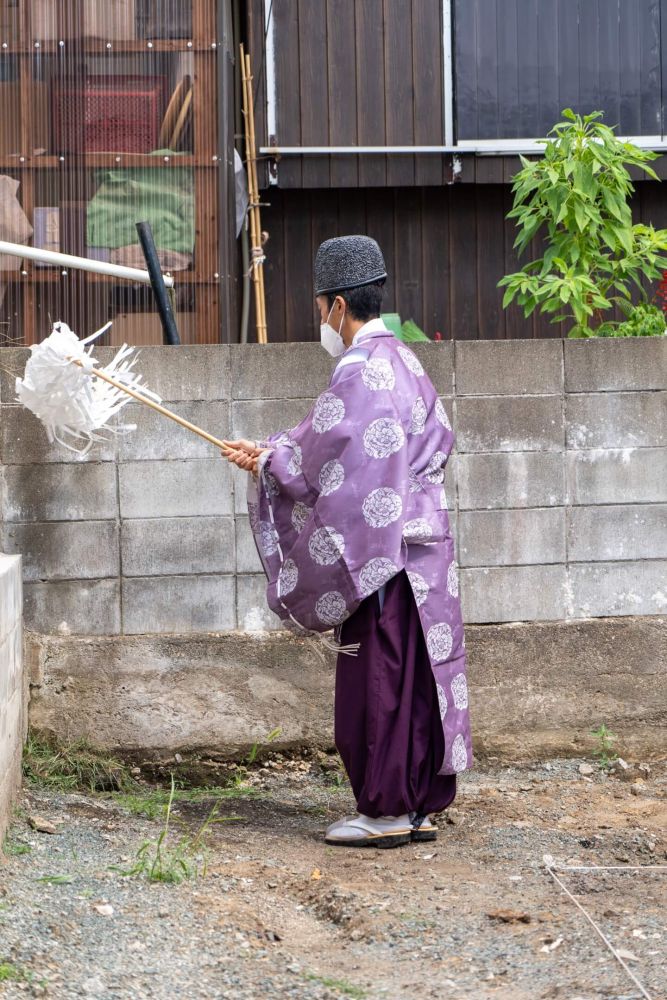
x=269 y=738
x=605 y=745
x=14 y=848
x=167 y=859
x=347 y=989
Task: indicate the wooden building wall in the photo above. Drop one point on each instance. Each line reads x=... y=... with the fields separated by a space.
x=353 y=73
x=445 y=249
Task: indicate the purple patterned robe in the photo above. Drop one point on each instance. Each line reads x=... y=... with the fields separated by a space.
x=352 y=495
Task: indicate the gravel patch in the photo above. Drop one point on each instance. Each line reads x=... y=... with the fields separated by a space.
x=279 y=914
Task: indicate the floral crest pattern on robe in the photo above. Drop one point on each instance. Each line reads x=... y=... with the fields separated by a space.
x=353 y=495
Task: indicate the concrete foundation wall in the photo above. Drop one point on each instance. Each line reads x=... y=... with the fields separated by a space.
x=557 y=488
x=536 y=689
x=13 y=687
x=140 y=570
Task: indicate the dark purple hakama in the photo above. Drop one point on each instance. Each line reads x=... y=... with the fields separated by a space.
x=387 y=721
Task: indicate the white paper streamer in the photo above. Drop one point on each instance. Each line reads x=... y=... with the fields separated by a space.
x=67 y=398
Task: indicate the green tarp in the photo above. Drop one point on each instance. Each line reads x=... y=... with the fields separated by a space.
x=162 y=196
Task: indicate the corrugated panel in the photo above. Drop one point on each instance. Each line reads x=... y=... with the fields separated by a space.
x=520 y=62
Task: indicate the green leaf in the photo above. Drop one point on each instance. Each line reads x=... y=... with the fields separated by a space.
x=580 y=215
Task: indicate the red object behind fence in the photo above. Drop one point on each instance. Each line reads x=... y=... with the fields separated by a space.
x=102 y=114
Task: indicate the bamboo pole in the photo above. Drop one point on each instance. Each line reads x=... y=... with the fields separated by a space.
x=256 y=251
x=258 y=225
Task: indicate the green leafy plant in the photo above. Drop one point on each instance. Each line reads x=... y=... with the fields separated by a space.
x=645 y=320
x=576 y=199
x=604 y=750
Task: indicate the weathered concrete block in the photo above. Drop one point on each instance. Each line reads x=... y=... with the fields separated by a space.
x=279 y=371
x=163 y=604
x=438 y=360
x=23 y=441
x=253 y=613
x=512 y=367
x=11 y=665
x=257 y=420
x=12 y=738
x=619 y=588
x=12 y=365
x=169 y=546
x=13 y=687
x=509 y=423
x=513 y=593
x=184 y=373
x=158 y=437
x=512 y=537
x=510 y=479
x=261 y=417
x=616 y=420
x=175 y=489
x=615 y=363
x=68 y=492
x=629 y=475
x=85 y=607
x=610 y=533
x=11 y=593
x=247 y=559
x=58 y=550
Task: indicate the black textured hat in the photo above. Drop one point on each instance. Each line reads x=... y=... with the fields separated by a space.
x=348 y=262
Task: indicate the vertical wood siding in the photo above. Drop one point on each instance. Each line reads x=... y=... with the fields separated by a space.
x=445 y=249
x=354 y=73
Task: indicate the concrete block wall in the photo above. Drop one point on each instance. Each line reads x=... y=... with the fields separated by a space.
x=557 y=487
x=13 y=701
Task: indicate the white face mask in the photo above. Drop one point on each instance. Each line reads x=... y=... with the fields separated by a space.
x=331 y=339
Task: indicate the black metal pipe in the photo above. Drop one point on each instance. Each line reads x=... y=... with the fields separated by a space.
x=167 y=318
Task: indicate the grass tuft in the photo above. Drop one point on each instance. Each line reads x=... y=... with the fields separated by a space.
x=170 y=859
x=75 y=767
x=341 y=985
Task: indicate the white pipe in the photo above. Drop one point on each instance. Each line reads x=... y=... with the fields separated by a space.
x=353 y=150
x=447 y=72
x=80 y=263
x=483 y=147
x=270 y=74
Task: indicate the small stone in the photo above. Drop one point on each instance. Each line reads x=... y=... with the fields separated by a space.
x=104 y=909
x=638 y=788
x=586 y=769
x=94 y=986
x=42 y=825
x=628 y=956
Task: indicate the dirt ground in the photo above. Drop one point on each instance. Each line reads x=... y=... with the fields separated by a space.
x=280 y=914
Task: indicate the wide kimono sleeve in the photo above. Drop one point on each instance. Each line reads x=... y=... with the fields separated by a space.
x=330 y=504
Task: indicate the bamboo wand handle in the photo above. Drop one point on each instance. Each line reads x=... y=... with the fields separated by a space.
x=160 y=409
